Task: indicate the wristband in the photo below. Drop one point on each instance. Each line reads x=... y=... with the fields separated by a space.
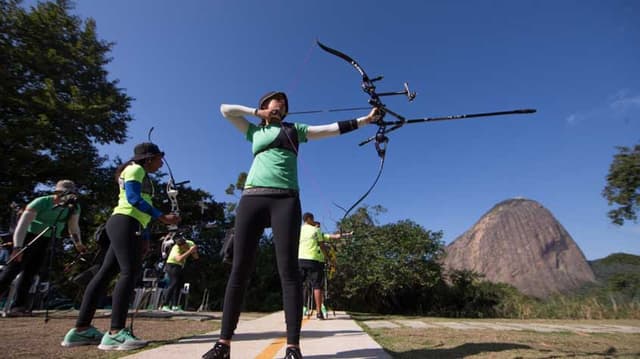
x=347 y=126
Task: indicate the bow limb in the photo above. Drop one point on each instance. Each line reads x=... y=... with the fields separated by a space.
x=171 y=189
x=345 y=57
x=368 y=87
x=367 y=83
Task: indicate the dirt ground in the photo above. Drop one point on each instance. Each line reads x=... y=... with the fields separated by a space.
x=31 y=337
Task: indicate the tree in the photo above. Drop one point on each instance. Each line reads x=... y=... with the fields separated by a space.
x=623 y=185
x=392 y=268
x=56 y=102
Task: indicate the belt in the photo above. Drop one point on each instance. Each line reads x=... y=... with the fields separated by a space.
x=269 y=191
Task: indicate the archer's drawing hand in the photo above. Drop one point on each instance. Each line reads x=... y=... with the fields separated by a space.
x=170 y=218
x=274 y=115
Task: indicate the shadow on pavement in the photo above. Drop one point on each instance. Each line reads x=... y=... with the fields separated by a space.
x=356 y=353
x=460 y=351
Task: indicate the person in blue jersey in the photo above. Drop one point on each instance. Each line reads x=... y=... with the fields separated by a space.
x=270 y=199
x=124 y=228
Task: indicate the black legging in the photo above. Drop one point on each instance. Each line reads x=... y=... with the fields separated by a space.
x=124 y=256
x=253 y=215
x=32 y=260
x=176 y=281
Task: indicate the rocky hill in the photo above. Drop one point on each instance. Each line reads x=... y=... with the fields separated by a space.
x=519 y=242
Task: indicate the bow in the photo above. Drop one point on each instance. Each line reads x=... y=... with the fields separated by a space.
x=171 y=189
x=380 y=138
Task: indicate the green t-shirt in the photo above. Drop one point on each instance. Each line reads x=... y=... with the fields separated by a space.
x=134 y=172
x=46 y=215
x=175 y=251
x=310 y=238
x=276 y=167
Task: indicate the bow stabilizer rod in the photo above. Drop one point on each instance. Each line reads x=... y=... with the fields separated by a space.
x=398 y=124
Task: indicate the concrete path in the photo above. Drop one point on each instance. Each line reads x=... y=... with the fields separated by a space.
x=337 y=337
x=505 y=325
x=341 y=337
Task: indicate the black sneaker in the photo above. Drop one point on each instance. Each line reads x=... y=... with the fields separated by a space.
x=293 y=353
x=219 y=351
x=320 y=316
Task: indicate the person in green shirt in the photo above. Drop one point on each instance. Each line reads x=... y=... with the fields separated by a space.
x=39 y=219
x=125 y=228
x=311 y=258
x=180 y=252
x=271 y=199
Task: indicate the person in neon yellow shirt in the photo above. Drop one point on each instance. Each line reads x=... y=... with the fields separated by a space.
x=311 y=258
x=126 y=230
x=180 y=252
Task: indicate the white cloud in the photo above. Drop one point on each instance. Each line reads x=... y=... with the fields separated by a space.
x=619 y=106
x=624 y=102
x=573 y=119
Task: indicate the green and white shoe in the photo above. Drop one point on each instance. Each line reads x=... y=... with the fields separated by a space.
x=122 y=340
x=76 y=338
x=166 y=308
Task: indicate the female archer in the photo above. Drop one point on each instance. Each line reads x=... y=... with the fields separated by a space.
x=270 y=199
x=125 y=230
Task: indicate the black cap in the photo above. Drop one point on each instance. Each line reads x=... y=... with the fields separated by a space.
x=306 y=216
x=269 y=95
x=145 y=150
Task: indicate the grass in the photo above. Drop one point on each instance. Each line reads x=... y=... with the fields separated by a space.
x=441 y=342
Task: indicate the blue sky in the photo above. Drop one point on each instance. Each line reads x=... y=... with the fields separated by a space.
x=576 y=62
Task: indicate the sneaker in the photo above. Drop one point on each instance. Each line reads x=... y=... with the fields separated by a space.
x=76 y=338
x=122 y=340
x=165 y=308
x=293 y=353
x=324 y=311
x=176 y=308
x=219 y=351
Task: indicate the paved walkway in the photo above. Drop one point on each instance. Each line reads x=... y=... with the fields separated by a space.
x=341 y=337
x=262 y=338
x=504 y=325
